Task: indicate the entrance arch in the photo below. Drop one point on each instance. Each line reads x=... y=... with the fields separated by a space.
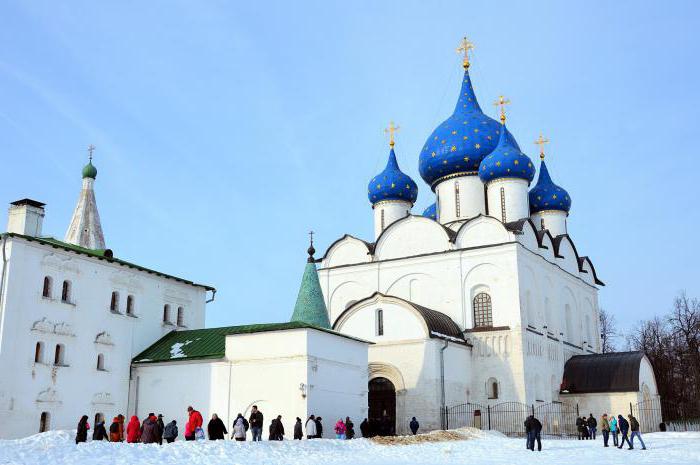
x=382 y=407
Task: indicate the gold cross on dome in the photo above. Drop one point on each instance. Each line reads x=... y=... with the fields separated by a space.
x=391 y=130
x=502 y=102
x=541 y=141
x=465 y=47
x=91 y=148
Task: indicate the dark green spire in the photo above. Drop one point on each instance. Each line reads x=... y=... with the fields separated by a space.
x=89 y=170
x=310 y=307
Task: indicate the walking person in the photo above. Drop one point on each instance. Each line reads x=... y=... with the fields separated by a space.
x=579 y=428
x=240 y=428
x=216 y=428
x=298 y=430
x=256 y=423
x=161 y=429
x=364 y=428
x=349 y=428
x=537 y=434
x=413 y=425
x=319 y=427
x=276 y=429
x=82 y=431
x=605 y=429
x=133 y=430
x=311 y=427
x=194 y=422
x=529 y=433
x=614 y=429
x=100 y=432
x=624 y=427
x=592 y=424
x=149 y=434
x=114 y=428
x=634 y=427
x=340 y=429
x=170 y=432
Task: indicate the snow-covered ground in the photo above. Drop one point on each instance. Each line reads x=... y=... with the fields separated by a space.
x=489 y=448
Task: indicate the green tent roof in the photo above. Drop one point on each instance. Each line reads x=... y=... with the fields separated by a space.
x=197 y=344
x=310 y=306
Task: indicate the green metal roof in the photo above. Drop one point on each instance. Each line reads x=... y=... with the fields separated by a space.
x=310 y=306
x=102 y=254
x=210 y=343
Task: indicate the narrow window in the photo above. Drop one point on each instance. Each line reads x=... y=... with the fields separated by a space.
x=457 y=198
x=46 y=292
x=503 y=205
x=130 y=305
x=382 y=223
x=39 y=352
x=482 y=310
x=437 y=206
x=380 y=322
x=180 y=316
x=65 y=292
x=166 y=313
x=492 y=388
x=44 y=422
x=542 y=224
x=114 y=303
x=59 y=357
x=100 y=362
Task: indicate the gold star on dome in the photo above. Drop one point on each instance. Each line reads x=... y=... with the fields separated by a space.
x=466 y=159
x=454 y=132
x=432 y=154
x=476 y=130
x=393 y=185
x=515 y=162
x=498 y=163
x=465 y=137
x=554 y=196
x=477 y=146
x=453 y=149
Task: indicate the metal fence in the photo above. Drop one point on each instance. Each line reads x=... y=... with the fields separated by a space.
x=664 y=415
x=558 y=419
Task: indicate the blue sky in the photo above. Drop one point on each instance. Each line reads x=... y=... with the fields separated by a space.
x=226 y=130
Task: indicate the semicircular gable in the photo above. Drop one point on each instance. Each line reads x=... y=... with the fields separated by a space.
x=528 y=237
x=343 y=295
x=565 y=253
x=546 y=244
x=347 y=250
x=412 y=235
x=482 y=230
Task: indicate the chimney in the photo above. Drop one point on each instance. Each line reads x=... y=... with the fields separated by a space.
x=26 y=217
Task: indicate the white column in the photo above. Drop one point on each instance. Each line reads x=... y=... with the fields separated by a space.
x=508 y=199
x=387 y=212
x=460 y=198
x=553 y=220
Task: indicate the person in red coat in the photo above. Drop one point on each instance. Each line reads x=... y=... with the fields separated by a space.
x=133 y=430
x=194 y=421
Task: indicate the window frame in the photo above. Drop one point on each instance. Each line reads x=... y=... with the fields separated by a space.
x=482 y=310
x=47 y=289
x=379 y=322
x=66 y=292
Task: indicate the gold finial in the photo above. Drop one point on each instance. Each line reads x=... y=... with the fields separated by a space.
x=465 y=46
x=502 y=102
x=541 y=141
x=391 y=130
x=91 y=148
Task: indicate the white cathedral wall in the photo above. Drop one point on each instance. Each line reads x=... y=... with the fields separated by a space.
x=460 y=198
x=508 y=199
x=67 y=392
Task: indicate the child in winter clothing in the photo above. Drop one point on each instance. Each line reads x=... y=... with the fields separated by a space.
x=340 y=429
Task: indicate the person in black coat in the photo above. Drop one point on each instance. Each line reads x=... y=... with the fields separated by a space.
x=216 y=428
x=537 y=430
x=319 y=427
x=298 y=431
x=256 y=423
x=414 y=425
x=83 y=427
x=624 y=428
x=100 y=432
x=349 y=428
x=161 y=428
x=592 y=424
x=276 y=429
x=364 y=428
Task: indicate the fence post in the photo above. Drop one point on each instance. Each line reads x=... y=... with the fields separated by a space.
x=447 y=419
x=577 y=412
x=631 y=409
x=488 y=410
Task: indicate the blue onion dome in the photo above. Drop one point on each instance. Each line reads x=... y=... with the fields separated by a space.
x=459 y=143
x=392 y=184
x=431 y=212
x=506 y=161
x=546 y=195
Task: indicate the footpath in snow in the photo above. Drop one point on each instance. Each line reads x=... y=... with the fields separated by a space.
x=485 y=448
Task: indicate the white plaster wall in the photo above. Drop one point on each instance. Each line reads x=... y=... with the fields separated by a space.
x=391 y=210
x=417 y=234
x=515 y=197
x=554 y=221
x=482 y=231
x=347 y=250
x=70 y=391
x=470 y=191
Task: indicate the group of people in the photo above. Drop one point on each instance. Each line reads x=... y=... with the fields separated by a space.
x=153 y=430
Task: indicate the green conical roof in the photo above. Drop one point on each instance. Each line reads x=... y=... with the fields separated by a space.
x=310 y=307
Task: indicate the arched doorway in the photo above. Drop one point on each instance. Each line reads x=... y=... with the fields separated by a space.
x=382 y=407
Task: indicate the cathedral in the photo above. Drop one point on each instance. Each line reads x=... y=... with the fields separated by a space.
x=481 y=299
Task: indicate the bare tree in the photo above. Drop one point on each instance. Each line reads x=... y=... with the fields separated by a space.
x=608 y=331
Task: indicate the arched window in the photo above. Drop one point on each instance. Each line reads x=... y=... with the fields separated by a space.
x=46 y=291
x=492 y=388
x=180 y=316
x=59 y=356
x=482 y=310
x=114 y=302
x=100 y=362
x=45 y=422
x=130 y=305
x=39 y=352
x=166 y=313
x=379 y=324
x=65 y=292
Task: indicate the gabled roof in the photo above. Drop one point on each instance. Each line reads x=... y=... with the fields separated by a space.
x=611 y=372
x=210 y=343
x=101 y=254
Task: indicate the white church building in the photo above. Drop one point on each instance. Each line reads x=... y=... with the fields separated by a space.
x=482 y=299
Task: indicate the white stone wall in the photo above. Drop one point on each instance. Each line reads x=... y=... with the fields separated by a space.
x=85 y=327
x=513 y=205
x=388 y=211
x=467 y=191
x=553 y=220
